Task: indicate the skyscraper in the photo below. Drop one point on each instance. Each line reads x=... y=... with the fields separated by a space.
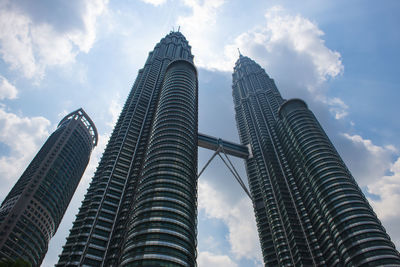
x=140 y=208
x=32 y=211
x=309 y=209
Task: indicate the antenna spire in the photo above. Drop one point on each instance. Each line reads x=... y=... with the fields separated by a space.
x=179 y=27
x=239 y=52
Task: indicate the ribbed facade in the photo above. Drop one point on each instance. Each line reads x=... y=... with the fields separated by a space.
x=136 y=203
x=309 y=209
x=32 y=211
x=163 y=225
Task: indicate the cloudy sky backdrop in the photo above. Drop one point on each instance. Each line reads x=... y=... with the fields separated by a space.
x=340 y=56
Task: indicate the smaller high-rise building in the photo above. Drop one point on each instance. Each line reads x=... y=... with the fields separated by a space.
x=32 y=211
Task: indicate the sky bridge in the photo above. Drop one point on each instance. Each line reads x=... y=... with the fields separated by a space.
x=223 y=148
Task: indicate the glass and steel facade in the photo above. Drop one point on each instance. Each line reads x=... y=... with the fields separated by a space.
x=140 y=208
x=32 y=211
x=163 y=223
x=309 y=209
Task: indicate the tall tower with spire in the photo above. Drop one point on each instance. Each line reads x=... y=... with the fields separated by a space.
x=140 y=208
x=309 y=209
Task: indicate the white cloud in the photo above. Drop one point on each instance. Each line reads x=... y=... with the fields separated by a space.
x=7 y=90
x=284 y=32
x=16 y=44
x=374 y=149
x=114 y=110
x=199 y=26
x=338 y=107
x=386 y=201
x=388 y=190
x=85 y=38
x=23 y=136
x=303 y=36
x=208 y=259
x=204 y=14
x=291 y=47
x=155 y=2
x=366 y=160
x=49 y=47
x=30 y=46
x=239 y=218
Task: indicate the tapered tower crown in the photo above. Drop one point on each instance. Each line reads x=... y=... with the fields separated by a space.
x=81 y=115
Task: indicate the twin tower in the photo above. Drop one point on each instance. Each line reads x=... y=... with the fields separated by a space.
x=141 y=206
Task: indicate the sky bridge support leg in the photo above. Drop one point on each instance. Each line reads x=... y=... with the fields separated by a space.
x=208 y=162
x=230 y=167
x=235 y=173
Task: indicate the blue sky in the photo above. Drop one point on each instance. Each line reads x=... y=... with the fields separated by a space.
x=340 y=56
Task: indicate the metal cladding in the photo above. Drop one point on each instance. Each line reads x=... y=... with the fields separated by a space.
x=144 y=187
x=32 y=211
x=163 y=225
x=309 y=209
